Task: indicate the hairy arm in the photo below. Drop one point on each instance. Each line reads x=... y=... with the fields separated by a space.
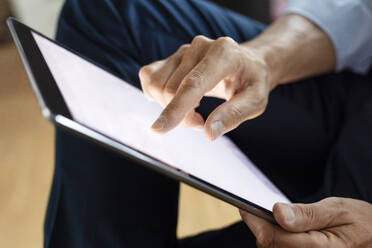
x=295 y=48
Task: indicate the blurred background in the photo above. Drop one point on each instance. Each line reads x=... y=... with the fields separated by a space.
x=27 y=140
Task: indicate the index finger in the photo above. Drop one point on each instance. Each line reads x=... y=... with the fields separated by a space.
x=202 y=78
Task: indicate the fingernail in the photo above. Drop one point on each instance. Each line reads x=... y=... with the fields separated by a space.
x=217 y=128
x=159 y=124
x=288 y=213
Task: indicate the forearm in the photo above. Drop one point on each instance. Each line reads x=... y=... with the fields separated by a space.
x=294 y=48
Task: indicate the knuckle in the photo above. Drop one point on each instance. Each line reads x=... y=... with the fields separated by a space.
x=145 y=73
x=260 y=97
x=261 y=100
x=183 y=48
x=225 y=40
x=262 y=92
x=259 y=105
x=155 y=85
x=225 y=43
x=261 y=110
x=194 y=81
x=171 y=89
x=337 y=201
x=198 y=45
x=265 y=241
x=236 y=114
x=309 y=213
x=198 y=39
x=156 y=80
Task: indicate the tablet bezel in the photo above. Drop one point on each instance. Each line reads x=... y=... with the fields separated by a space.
x=54 y=108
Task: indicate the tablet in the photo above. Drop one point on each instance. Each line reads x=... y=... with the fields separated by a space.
x=78 y=95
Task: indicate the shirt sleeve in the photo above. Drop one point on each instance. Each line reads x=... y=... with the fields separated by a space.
x=348 y=24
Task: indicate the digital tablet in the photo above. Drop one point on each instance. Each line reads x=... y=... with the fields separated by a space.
x=76 y=94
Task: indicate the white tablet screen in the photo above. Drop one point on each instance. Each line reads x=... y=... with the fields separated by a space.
x=113 y=107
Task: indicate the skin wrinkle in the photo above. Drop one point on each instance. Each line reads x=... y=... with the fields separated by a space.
x=291 y=48
x=195 y=81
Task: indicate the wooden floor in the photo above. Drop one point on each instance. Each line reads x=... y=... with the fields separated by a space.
x=26 y=167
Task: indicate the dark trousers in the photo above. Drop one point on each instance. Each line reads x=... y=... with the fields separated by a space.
x=313 y=141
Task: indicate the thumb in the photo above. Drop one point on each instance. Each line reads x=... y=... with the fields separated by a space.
x=243 y=106
x=310 y=217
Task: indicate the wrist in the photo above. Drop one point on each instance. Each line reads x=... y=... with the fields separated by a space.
x=294 y=48
x=270 y=57
x=276 y=70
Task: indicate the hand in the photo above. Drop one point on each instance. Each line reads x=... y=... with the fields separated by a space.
x=331 y=223
x=220 y=68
